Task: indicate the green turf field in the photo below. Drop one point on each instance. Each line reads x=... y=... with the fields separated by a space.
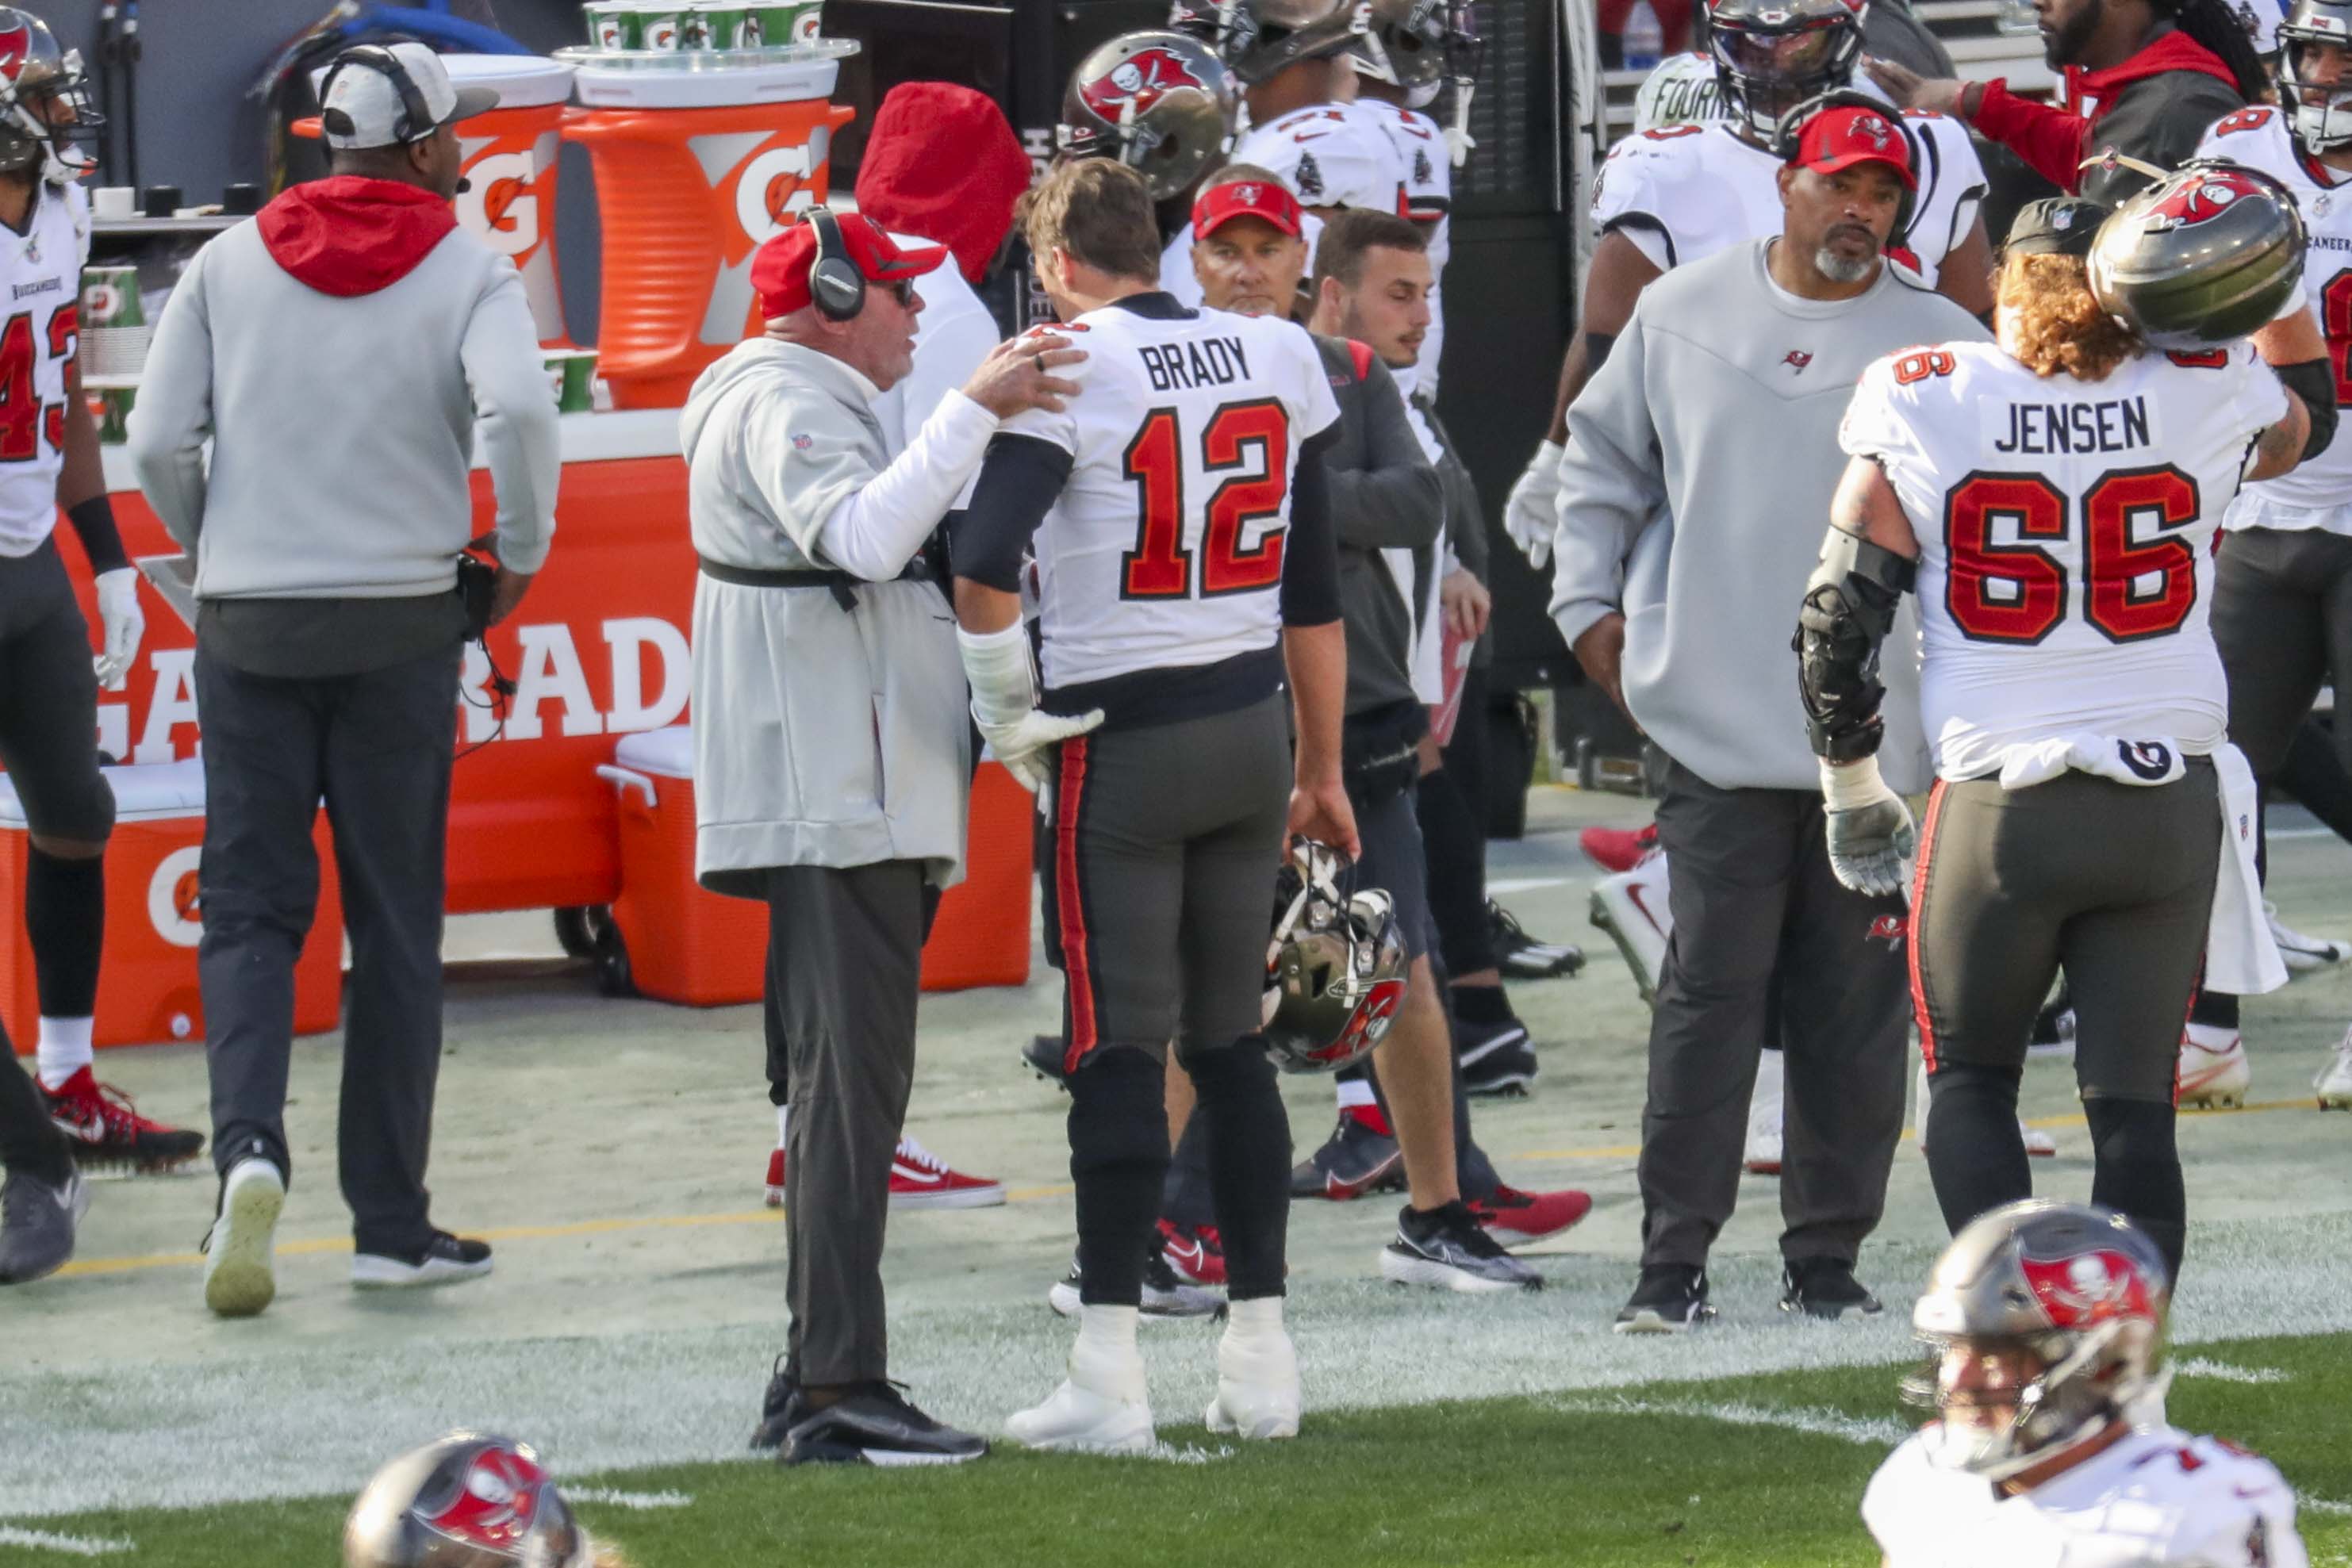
x=1759 y=1471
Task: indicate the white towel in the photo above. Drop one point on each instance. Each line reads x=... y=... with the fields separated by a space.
x=2242 y=957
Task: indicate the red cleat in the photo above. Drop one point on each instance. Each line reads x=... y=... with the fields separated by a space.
x=1513 y=1218
x=108 y=1133
x=1196 y=1254
x=774 y=1197
x=1615 y=850
x=918 y=1180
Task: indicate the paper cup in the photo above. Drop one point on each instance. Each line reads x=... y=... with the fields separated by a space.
x=112 y=203
x=615 y=23
x=775 y=26
x=723 y=23
x=661 y=27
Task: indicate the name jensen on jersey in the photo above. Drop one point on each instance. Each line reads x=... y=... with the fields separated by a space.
x=2117 y=424
x=1203 y=361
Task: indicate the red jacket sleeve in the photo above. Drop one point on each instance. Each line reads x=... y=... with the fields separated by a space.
x=2049 y=139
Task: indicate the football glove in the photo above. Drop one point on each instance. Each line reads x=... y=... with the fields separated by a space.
x=1871 y=837
x=1532 y=514
x=123 y=624
x=1005 y=703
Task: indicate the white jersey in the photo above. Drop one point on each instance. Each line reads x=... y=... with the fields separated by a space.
x=1428 y=167
x=40 y=282
x=1681 y=193
x=2158 y=1499
x=1164 y=548
x=2065 y=535
x=1681 y=89
x=2317 y=494
x=1331 y=156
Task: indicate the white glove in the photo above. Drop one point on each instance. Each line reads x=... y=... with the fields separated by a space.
x=119 y=613
x=1871 y=838
x=1532 y=514
x=1005 y=702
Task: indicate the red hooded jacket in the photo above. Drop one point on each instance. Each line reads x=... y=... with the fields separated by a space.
x=942 y=164
x=347 y=235
x=2054 y=141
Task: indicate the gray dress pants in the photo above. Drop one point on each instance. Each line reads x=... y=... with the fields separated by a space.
x=1754 y=902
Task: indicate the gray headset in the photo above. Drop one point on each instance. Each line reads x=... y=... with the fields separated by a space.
x=837 y=288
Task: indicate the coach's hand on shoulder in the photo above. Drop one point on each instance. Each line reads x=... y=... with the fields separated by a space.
x=122 y=624
x=1871 y=837
x=1017 y=376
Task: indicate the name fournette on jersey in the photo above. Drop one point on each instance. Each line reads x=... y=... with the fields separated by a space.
x=2057 y=429
x=1199 y=362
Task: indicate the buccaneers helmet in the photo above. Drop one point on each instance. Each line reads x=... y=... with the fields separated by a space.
x=45 y=113
x=2322 y=112
x=1419 y=45
x=2207 y=255
x=466 y=1500
x=1261 y=38
x=1160 y=102
x=1334 y=969
x=2047 y=1321
x=1772 y=55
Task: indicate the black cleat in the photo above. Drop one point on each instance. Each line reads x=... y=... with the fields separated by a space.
x=1825 y=1288
x=876 y=1424
x=37 y=1220
x=1521 y=958
x=1670 y=1299
x=781 y=1408
x=1042 y=1056
x=1497 y=1059
x=1355 y=1159
x=1166 y=1297
x=1448 y=1249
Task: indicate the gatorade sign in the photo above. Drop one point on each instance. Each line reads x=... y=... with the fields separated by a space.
x=774 y=190
x=500 y=206
x=172 y=897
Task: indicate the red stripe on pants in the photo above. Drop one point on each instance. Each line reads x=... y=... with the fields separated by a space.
x=1919 y=895
x=1069 y=906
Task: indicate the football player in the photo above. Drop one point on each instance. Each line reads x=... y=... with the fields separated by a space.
x=1414 y=50
x=49 y=682
x=2047 y=1323
x=2280 y=612
x=1184 y=567
x=2055 y=497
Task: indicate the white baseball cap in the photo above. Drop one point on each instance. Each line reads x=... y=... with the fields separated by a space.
x=381 y=95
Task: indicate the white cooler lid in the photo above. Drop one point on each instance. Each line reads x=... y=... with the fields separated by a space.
x=523 y=81
x=154 y=793
x=715 y=87
x=663 y=753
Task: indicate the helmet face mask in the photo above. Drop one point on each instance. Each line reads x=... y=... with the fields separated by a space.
x=46 y=115
x=1259 y=40
x=1335 y=967
x=2314 y=72
x=1770 y=57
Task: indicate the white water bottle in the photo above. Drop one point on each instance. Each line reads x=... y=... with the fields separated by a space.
x=1642 y=38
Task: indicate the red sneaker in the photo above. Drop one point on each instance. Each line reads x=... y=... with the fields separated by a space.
x=1616 y=850
x=1513 y=1218
x=920 y=1179
x=107 y=1132
x=774 y=1197
x=1196 y=1254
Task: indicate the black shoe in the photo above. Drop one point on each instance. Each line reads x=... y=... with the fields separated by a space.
x=1825 y=1288
x=1042 y=1056
x=1521 y=958
x=781 y=1408
x=39 y=1217
x=1448 y=1248
x=1164 y=1295
x=1497 y=1059
x=1354 y=1160
x=1670 y=1299
x=445 y=1259
x=875 y=1425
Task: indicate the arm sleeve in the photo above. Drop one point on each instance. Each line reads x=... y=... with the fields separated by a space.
x=1396 y=500
x=515 y=418
x=876 y=530
x=1019 y=481
x=1612 y=483
x=174 y=410
x=2051 y=141
x=1310 y=559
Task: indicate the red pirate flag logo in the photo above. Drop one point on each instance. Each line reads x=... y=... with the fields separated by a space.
x=2198 y=200
x=1137 y=82
x=15 y=47
x=2087 y=1287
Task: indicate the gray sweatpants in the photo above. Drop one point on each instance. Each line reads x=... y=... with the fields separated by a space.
x=1753 y=899
x=844 y=967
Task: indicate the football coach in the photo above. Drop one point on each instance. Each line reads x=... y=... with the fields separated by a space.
x=344 y=351
x=1697 y=455
x=833 y=755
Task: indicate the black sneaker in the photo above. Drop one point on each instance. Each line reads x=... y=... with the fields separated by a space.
x=1825 y=1288
x=1498 y=1061
x=1357 y=1158
x=781 y=1408
x=876 y=1424
x=1042 y=1056
x=1670 y=1299
x=1521 y=958
x=37 y=1219
x=1165 y=1297
x=445 y=1259
x=1448 y=1249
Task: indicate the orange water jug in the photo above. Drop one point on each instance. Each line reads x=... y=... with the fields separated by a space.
x=509 y=156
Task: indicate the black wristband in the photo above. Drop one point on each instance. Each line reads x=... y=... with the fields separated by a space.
x=102 y=541
x=2314 y=381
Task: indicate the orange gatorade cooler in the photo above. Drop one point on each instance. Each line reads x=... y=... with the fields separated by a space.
x=982 y=934
x=679 y=941
x=509 y=156
x=147 y=990
x=695 y=169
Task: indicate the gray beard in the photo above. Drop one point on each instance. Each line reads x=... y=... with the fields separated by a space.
x=1841 y=269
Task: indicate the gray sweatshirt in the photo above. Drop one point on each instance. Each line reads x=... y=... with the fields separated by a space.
x=1695 y=491
x=1384 y=496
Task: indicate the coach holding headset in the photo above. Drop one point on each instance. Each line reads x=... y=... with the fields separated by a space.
x=832 y=756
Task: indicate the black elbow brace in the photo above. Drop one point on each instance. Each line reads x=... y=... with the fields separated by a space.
x=1848 y=609
x=2314 y=381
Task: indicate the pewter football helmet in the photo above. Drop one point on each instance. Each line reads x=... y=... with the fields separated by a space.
x=466 y=1500
x=1160 y=102
x=2205 y=256
x=1335 y=968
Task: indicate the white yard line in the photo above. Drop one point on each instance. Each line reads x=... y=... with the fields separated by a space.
x=1871 y=1432
x=2224 y=1372
x=639 y=1501
x=71 y=1545
x=2322 y=1505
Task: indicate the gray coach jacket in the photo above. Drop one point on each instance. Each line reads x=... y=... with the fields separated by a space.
x=1384 y=496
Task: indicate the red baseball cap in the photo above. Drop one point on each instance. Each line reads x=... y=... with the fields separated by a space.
x=1840 y=137
x=1265 y=199
x=780 y=271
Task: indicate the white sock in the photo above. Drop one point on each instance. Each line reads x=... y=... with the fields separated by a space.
x=783 y=1124
x=1107 y=1335
x=1354 y=1092
x=64 y=1050
x=2211 y=1036
x=1255 y=1319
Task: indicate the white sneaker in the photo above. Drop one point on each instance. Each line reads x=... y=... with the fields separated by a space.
x=2304 y=954
x=1257 y=1374
x=1102 y=1408
x=240 y=1255
x=1762 y=1156
x=2335 y=1079
x=2212 y=1071
x=1631 y=907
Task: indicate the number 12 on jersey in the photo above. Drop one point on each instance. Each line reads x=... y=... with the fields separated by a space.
x=1248 y=442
